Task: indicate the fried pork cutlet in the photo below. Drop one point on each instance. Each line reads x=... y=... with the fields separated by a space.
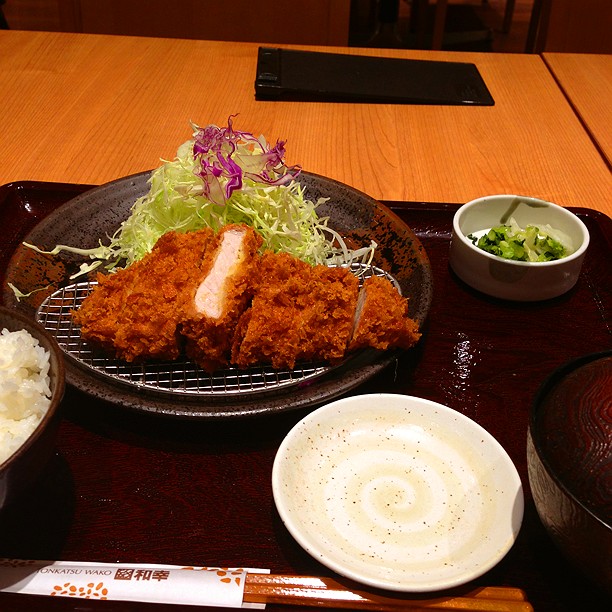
x=381 y=319
x=223 y=292
x=215 y=298
x=298 y=312
x=327 y=312
x=134 y=312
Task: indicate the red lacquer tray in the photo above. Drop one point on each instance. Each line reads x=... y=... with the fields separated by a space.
x=129 y=487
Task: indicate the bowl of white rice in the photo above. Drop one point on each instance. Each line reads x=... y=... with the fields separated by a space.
x=32 y=383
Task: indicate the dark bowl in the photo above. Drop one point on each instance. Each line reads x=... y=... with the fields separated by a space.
x=24 y=466
x=569 y=456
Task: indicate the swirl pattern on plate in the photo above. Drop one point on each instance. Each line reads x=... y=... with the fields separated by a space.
x=395 y=491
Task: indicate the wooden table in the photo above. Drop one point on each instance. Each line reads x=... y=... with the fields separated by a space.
x=89 y=108
x=129 y=486
x=586 y=80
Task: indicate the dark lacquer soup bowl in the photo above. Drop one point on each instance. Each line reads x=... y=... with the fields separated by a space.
x=569 y=453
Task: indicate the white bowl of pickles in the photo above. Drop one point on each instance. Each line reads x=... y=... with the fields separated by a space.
x=517 y=247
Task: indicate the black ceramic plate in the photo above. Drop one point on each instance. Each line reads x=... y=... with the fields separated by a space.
x=91 y=217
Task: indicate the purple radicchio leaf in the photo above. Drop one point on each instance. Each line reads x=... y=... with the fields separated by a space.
x=222 y=165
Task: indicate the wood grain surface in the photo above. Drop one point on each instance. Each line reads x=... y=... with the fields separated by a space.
x=586 y=80
x=91 y=108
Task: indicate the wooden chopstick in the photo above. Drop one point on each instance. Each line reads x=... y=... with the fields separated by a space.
x=324 y=592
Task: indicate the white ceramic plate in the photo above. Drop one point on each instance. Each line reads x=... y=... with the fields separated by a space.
x=398 y=492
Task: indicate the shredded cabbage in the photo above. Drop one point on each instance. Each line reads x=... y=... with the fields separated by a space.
x=533 y=243
x=223 y=176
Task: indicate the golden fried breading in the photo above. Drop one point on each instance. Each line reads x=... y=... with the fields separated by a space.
x=220 y=298
x=215 y=298
x=134 y=312
x=299 y=312
x=381 y=320
x=101 y=309
x=269 y=331
x=327 y=312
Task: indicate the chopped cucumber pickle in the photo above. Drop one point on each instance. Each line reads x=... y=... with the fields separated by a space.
x=534 y=243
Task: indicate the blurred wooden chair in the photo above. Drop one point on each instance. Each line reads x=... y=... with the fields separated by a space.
x=435 y=35
x=508 y=15
x=428 y=24
x=538 y=26
x=568 y=26
x=3 y=24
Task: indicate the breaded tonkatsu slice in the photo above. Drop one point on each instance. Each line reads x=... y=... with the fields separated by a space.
x=134 y=313
x=381 y=319
x=220 y=297
x=215 y=298
x=298 y=312
x=327 y=310
x=269 y=331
